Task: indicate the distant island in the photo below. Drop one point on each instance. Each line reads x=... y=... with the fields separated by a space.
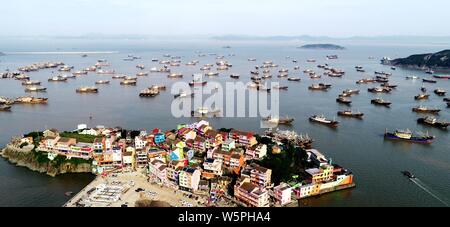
x=1 y=54
x=322 y=47
x=439 y=60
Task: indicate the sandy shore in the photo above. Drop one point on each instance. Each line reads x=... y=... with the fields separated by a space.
x=133 y=180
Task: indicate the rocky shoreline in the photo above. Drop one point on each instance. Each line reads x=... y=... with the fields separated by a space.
x=437 y=61
x=27 y=157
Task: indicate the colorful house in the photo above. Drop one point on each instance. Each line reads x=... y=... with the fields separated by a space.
x=243 y=138
x=250 y=194
x=189 y=178
x=159 y=138
x=228 y=144
x=283 y=193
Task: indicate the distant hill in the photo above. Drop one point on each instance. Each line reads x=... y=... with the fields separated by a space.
x=322 y=47
x=439 y=60
x=1 y=54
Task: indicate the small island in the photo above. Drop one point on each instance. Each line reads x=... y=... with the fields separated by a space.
x=195 y=160
x=2 y=54
x=438 y=61
x=322 y=47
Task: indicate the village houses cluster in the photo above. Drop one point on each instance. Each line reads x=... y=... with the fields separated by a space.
x=195 y=158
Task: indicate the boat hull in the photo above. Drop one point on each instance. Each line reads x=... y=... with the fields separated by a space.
x=425 y=140
x=436 y=124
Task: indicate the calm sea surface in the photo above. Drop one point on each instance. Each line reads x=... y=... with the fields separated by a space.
x=357 y=144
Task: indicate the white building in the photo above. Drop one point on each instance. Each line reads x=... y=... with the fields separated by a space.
x=140 y=142
x=283 y=193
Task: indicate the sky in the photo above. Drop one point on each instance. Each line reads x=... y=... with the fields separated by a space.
x=334 y=18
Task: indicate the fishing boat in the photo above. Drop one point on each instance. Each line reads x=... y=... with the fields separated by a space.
x=429 y=71
x=30 y=100
x=4 y=107
x=314 y=76
x=149 y=92
x=393 y=68
x=332 y=57
x=423 y=89
x=197 y=83
x=128 y=82
x=102 y=82
x=31 y=82
x=383 y=73
x=343 y=100
x=442 y=76
x=101 y=71
x=381 y=79
x=412 y=77
x=22 y=77
x=429 y=81
x=251 y=59
x=80 y=72
x=160 y=87
x=424 y=109
x=140 y=66
x=322 y=120
x=381 y=102
x=429 y=120
x=280 y=87
x=388 y=85
x=276 y=120
x=448 y=104
x=365 y=81
x=407 y=135
x=266 y=76
x=57 y=79
x=65 y=68
x=293 y=78
x=379 y=90
x=35 y=89
x=119 y=77
x=320 y=86
x=440 y=91
x=421 y=96
x=331 y=74
x=349 y=113
x=281 y=75
x=283 y=70
x=6 y=101
x=203 y=111
x=87 y=90
x=212 y=74
x=351 y=91
x=408 y=174
x=142 y=74
x=446 y=99
x=205 y=68
x=175 y=75
x=183 y=95
x=256 y=78
x=91 y=69
x=254 y=72
x=311 y=60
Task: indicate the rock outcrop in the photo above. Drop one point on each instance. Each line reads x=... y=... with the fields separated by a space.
x=28 y=157
x=439 y=60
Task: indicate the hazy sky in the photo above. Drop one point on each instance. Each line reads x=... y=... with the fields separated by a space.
x=340 y=18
